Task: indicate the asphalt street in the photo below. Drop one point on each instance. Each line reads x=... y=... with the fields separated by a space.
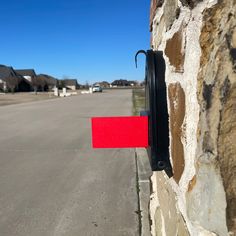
x=52 y=183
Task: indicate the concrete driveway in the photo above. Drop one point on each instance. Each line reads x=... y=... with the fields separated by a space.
x=52 y=182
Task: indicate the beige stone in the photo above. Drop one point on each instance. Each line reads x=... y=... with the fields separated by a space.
x=234 y=39
x=218 y=103
x=177 y=112
x=174 y=51
x=167 y=220
x=227 y=153
x=199 y=41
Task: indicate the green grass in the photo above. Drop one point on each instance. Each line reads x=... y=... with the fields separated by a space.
x=138 y=101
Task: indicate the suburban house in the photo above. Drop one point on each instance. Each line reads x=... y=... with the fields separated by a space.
x=124 y=82
x=133 y=83
x=103 y=84
x=26 y=80
x=50 y=82
x=28 y=74
x=38 y=83
x=70 y=84
x=4 y=72
x=11 y=81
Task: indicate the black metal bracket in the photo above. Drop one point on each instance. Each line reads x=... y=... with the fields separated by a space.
x=156 y=108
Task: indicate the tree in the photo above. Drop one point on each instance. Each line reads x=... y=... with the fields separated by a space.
x=12 y=83
x=87 y=84
x=38 y=83
x=34 y=81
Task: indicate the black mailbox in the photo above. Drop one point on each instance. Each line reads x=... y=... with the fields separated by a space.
x=156 y=109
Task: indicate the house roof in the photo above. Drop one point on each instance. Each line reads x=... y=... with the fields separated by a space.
x=70 y=82
x=26 y=72
x=105 y=82
x=49 y=79
x=6 y=71
x=102 y=83
x=122 y=82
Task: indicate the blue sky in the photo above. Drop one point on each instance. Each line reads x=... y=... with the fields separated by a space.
x=89 y=40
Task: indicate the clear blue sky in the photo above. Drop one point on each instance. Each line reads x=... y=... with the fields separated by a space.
x=89 y=40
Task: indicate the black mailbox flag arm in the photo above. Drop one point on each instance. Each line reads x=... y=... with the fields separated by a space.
x=156 y=108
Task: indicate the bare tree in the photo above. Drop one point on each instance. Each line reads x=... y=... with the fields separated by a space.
x=86 y=84
x=34 y=82
x=38 y=82
x=12 y=83
x=41 y=82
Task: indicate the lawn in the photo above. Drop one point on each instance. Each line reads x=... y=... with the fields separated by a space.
x=16 y=98
x=138 y=101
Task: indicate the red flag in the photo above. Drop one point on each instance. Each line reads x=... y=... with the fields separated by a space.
x=120 y=132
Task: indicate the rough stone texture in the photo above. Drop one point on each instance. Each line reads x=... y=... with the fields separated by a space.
x=190 y=3
x=176 y=113
x=217 y=80
x=227 y=150
x=170 y=8
x=198 y=39
x=168 y=220
x=174 y=51
x=154 y=5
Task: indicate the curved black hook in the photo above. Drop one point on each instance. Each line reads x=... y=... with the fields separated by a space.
x=136 y=56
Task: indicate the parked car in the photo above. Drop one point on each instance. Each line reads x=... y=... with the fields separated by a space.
x=97 y=88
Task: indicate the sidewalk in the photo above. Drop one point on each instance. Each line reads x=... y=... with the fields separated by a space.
x=144 y=174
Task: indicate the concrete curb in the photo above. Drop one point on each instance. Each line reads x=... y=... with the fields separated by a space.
x=144 y=174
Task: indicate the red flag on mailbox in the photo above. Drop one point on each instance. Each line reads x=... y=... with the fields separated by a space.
x=120 y=132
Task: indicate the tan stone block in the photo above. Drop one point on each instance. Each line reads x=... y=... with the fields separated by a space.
x=174 y=51
x=234 y=39
x=177 y=112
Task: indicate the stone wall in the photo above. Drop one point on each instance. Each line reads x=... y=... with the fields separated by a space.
x=198 y=38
